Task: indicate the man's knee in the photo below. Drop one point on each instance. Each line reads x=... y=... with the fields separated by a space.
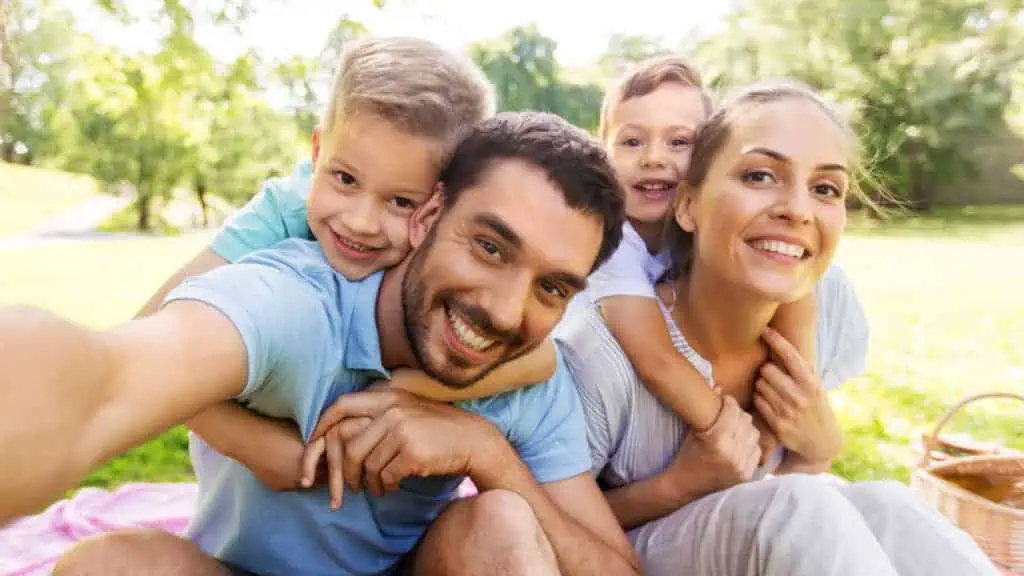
x=136 y=552
x=493 y=533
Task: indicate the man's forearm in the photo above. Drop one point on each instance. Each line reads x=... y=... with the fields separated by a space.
x=52 y=376
x=579 y=551
x=647 y=500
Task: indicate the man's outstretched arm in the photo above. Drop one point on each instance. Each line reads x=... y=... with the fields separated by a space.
x=71 y=397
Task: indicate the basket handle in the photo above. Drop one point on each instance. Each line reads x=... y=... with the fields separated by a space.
x=931 y=441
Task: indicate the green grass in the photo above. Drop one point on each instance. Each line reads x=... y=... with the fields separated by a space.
x=29 y=196
x=944 y=299
x=100 y=284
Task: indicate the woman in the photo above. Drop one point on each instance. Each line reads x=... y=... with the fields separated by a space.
x=757 y=223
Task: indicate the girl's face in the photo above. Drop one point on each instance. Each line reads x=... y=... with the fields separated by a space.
x=770 y=211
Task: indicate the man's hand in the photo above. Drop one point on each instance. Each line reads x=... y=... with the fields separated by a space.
x=405 y=436
x=790 y=398
x=722 y=456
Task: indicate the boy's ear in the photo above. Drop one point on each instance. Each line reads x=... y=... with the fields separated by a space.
x=317 y=132
x=424 y=217
x=685 y=204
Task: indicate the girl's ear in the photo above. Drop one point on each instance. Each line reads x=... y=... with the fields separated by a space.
x=685 y=205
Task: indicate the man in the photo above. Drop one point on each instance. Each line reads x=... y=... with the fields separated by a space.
x=530 y=208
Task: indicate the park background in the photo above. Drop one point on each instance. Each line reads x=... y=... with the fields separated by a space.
x=130 y=130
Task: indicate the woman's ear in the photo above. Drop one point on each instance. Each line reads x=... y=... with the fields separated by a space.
x=685 y=205
x=424 y=217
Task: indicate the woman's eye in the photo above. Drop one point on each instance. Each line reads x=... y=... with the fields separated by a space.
x=829 y=190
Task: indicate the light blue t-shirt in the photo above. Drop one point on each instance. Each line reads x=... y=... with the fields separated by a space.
x=311 y=336
x=276 y=213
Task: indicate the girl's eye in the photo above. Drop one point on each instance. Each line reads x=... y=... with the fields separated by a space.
x=631 y=142
x=759 y=177
x=679 y=142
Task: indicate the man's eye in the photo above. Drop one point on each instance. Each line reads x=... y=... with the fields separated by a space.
x=489 y=247
x=554 y=289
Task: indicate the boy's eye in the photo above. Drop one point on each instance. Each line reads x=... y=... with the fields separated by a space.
x=759 y=177
x=344 y=178
x=403 y=203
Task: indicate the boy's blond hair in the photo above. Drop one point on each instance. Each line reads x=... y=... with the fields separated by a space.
x=416 y=84
x=646 y=77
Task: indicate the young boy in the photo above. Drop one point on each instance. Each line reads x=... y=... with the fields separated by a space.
x=648 y=122
x=397 y=109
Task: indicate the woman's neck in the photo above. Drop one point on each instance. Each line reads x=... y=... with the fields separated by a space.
x=718 y=319
x=651 y=233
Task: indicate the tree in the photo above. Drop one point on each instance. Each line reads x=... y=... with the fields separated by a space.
x=625 y=50
x=920 y=78
x=521 y=64
x=33 y=62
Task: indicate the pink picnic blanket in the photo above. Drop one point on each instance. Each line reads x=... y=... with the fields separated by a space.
x=31 y=545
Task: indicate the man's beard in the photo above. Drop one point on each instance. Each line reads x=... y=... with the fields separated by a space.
x=414 y=316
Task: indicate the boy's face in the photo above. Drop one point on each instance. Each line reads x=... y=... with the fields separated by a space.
x=649 y=142
x=369 y=177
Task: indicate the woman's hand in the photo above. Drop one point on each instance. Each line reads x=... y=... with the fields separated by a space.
x=789 y=396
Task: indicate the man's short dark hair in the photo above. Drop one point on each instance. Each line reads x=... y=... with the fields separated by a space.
x=573 y=160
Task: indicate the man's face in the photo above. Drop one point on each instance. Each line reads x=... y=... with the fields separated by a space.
x=493 y=275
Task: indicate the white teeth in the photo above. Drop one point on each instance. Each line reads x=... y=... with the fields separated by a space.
x=467 y=335
x=355 y=245
x=780 y=247
x=654 y=187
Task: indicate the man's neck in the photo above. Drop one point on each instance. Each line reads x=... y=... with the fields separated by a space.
x=719 y=319
x=395 y=349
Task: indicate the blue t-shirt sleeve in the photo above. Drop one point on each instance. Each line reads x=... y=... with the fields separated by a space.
x=276 y=213
x=548 y=430
x=285 y=323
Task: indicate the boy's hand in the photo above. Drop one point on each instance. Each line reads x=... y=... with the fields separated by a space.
x=731 y=443
x=332 y=443
x=790 y=398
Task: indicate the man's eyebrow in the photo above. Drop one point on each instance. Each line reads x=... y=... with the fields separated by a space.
x=498 y=226
x=577 y=283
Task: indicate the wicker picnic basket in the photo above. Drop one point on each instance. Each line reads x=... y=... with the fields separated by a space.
x=953 y=476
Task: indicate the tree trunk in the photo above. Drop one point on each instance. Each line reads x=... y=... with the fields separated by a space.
x=143 y=205
x=201 y=195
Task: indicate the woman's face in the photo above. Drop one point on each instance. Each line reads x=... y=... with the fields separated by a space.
x=770 y=211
